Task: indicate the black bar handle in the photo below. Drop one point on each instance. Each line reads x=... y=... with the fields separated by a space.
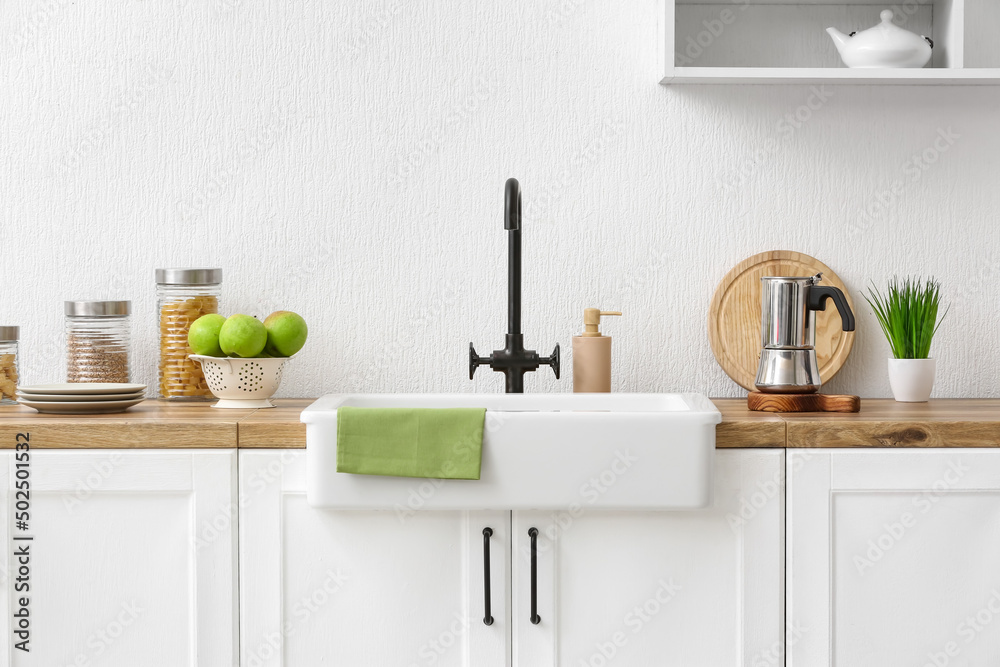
x=535 y=618
x=487 y=534
x=817 y=301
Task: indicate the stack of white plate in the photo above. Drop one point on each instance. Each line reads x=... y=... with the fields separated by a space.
x=81 y=398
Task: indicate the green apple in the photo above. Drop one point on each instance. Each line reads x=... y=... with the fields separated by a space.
x=203 y=336
x=286 y=333
x=242 y=336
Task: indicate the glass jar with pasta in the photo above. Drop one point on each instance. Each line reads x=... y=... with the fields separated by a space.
x=182 y=296
x=8 y=365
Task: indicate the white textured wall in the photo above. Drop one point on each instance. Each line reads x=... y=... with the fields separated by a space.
x=346 y=160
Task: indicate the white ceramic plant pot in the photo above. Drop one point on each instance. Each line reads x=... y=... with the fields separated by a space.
x=911 y=379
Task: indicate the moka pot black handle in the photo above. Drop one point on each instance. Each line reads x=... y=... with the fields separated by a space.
x=817 y=301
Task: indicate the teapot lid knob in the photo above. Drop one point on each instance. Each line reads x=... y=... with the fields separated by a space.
x=886 y=15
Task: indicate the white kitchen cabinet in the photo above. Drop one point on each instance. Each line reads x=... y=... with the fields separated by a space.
x=894 y=557
x=701 y=587
x=643 y=589
x=132 y=560
x=785 y=41
x=368 y=587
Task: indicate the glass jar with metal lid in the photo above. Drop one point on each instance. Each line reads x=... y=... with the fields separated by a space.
x=97 y=341
x=182 y=296
x=8 y=364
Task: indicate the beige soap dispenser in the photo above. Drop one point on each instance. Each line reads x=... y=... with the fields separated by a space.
x=592 y=354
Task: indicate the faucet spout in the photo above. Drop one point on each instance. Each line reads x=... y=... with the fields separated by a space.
x=512 y=223
x=513 y=361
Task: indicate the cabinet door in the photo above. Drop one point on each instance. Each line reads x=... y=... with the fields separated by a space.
x=645 y=589
x=132 y=560
x=894 y=557
x=395 y=587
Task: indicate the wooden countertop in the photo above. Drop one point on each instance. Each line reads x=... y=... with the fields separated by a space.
x=276 y=427
x=950 y=422
x=881 y=423
x=149 y=424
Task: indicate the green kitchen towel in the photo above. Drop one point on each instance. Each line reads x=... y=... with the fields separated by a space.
x=410 y=442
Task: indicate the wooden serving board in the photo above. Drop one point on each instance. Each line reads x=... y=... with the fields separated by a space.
x=802 y=402
x=734 y=316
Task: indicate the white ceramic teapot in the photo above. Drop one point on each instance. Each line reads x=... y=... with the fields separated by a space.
x=885 y=45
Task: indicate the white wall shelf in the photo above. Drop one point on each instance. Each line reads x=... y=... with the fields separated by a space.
x=785 y=41
x=963 y=77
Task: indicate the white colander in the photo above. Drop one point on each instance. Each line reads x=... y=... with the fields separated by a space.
x=242 y=383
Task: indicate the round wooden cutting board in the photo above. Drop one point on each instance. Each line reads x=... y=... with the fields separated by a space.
x=734 y=316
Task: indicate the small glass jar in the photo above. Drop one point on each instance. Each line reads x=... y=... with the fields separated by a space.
x=97 y=341
x=182 y=296
x=8 y=365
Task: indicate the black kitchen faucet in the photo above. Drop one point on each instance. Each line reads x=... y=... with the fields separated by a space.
x=513 y=361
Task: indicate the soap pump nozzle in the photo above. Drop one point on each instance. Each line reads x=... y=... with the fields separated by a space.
x=592 y=321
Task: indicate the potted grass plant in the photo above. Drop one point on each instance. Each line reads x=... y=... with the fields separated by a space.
x=908 y=314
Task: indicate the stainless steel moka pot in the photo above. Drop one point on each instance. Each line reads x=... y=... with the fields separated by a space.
x=788 y=332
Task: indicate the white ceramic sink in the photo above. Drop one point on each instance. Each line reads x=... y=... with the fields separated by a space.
x=540 y=451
